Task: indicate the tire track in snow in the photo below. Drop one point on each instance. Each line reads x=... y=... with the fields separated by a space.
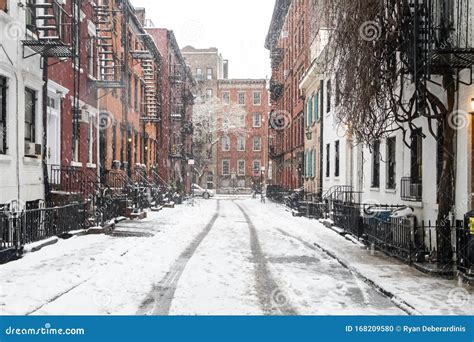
x=268 y=291
x=159 y=300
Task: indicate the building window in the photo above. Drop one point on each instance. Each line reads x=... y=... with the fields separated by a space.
x=241 y=167
x=114 y=141
x=135 y=96
x=90 y=56
x=240 y=143
x=416 y=156
x=336 y=158
x=226 y=97
x=90 y=140
x=225 y=143
x=241 y=99
x=30 y=115
x=30 y=15
x=257 y=98
x=328 y=96
x=257 y=120
x=257 y=144
x=208 y=94
x=226 y=167
x=199 y=74
x=376 y=165
x=328 y=160
x=209 y=73
x=391 y=162
x=256 y=166
x=3 y=115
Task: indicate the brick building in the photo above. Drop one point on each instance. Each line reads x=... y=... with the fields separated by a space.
x=129 y=84
x=175 y=129
x=208 y=68
x=288 y=42
x=241 y=156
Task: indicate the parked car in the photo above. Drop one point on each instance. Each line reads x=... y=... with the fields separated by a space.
x=204 y=193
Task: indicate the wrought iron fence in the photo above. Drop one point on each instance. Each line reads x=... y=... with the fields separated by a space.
x=348 y=217
x=393 y=236
x=465 y=250
x=42 y=223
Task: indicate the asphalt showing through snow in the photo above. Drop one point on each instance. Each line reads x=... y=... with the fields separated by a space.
x=272 y=299
x=159 y=301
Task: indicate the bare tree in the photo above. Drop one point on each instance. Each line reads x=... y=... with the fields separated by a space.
x=212 y=120
x=383 y=54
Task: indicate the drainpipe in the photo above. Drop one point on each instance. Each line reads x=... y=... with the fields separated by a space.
x=47 y=192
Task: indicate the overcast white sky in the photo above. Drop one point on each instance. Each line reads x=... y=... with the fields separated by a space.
x=236 y=27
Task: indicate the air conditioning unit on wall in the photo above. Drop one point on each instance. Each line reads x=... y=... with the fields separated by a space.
x=32 y=150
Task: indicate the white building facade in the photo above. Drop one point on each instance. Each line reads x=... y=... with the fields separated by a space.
x=21 y=93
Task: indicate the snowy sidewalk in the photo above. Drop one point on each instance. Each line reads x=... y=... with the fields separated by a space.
x=416 y=292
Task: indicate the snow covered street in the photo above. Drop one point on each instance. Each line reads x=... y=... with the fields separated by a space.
x=225 y=256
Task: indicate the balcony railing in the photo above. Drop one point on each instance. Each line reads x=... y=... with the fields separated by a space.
x=411 y=190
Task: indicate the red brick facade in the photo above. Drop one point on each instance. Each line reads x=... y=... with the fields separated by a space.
x=241 y=167
x=288 y=42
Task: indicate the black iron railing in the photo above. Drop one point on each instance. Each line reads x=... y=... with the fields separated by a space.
x=393 y=236
x=348 y=217
x=39 y=224
x=465 y=251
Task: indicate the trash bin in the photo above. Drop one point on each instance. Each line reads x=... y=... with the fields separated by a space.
x=465 y=246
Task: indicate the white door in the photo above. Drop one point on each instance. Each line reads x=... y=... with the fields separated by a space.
x=54 y=132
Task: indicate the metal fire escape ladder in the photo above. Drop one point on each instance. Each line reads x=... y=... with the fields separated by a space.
x=109 y=68
x=46 y=19
x=151 y=103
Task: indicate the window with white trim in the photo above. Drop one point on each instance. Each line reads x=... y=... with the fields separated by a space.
x=257 y=120
x=226 y=167
x=240 y=143
x=30 y=115
x=241 y=167
x=3 y=115
x=225 y=143
x=257 y=143
x=257 y=98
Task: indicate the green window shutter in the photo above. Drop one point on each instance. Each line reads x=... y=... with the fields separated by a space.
x=305 y=163
x=314 y=163
x=316 y=107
